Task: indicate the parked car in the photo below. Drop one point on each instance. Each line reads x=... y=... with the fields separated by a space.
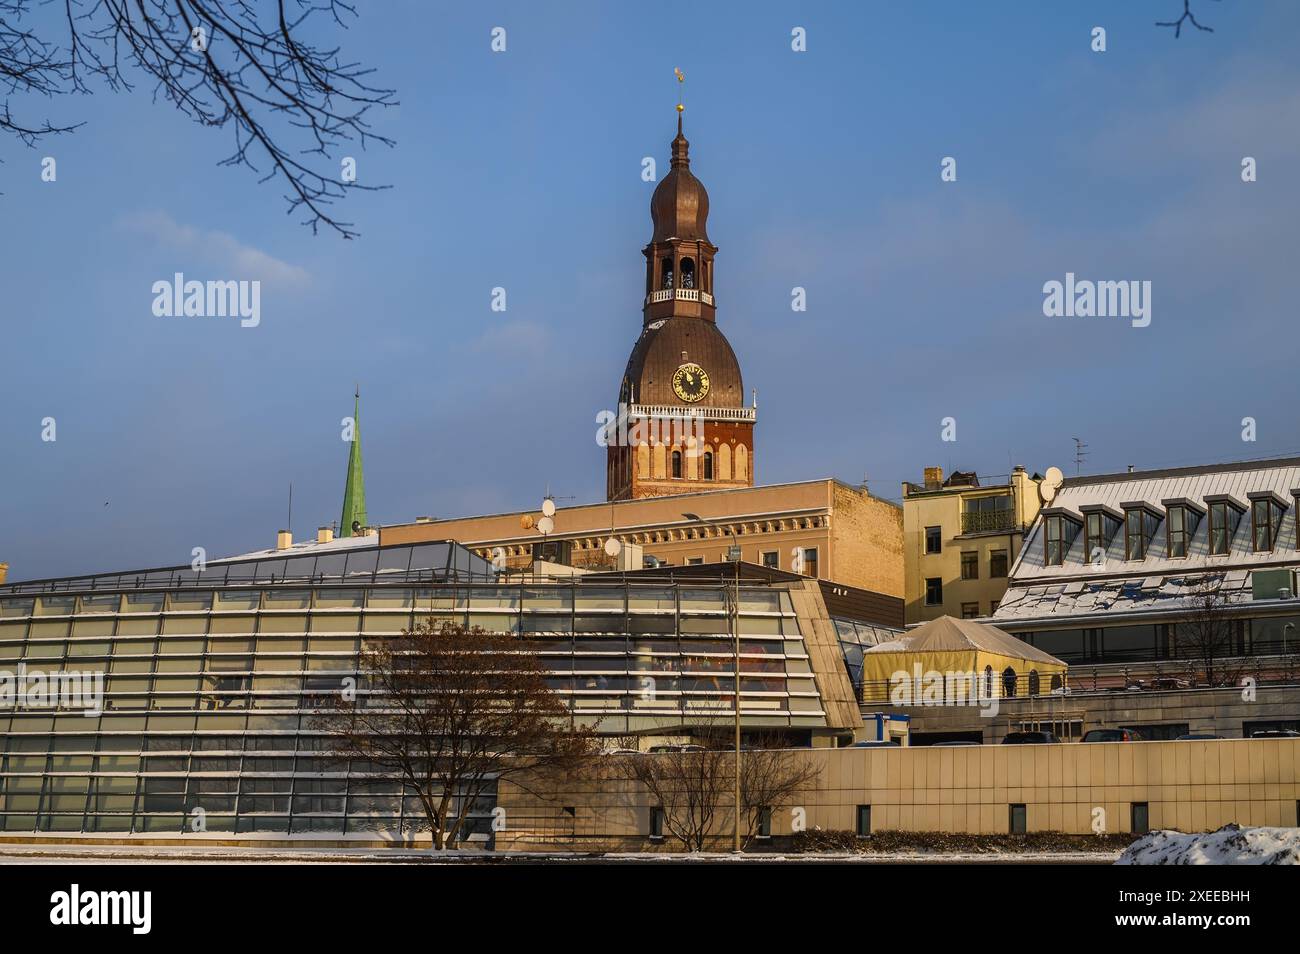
x=1197 y=737
x=1111 y=735
x=661 y=749
x=938 y=745
x=1029 y=738
x=1275 y=734
x=872 y=744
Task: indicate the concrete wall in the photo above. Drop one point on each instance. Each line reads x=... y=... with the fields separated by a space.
x=1189 y=786
x=1218 y=711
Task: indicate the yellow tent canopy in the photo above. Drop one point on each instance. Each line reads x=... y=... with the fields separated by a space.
x=950 y=661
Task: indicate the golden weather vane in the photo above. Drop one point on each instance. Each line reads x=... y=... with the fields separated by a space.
x=681 y=78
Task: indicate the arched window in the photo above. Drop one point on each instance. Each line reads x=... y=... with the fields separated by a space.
x=677 y=464
x=1056 y=681
x=666 y=273
x=1009 y=682
x=708 y=465
x=988 y=682
x=688 y=273
x=1033 y=682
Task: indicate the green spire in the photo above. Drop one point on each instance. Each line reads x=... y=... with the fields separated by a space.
x=354 y=494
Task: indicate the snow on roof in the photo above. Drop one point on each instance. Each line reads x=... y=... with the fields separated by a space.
x=307 y=547
x=1151 y=489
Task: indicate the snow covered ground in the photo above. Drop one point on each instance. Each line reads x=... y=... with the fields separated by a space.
x=1230 y=845
x=127 y=854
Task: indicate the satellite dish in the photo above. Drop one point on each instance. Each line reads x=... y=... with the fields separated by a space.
x=545 y=525
x=613 y=546
x=548 y=507
x=1050 y=484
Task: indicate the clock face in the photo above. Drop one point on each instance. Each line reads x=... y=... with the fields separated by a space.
x=691 y=382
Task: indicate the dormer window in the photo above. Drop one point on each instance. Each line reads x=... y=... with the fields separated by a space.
x=1225 y=515
x=1266 y=510
x=1059 y=530
x=1140 y=524
x=1183 y=519
x=1099 y=529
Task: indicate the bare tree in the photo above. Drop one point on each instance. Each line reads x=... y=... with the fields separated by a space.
x=242 y=64
x=449 y=712
x=691 y=785
x=772 y=778
x=1205 y=633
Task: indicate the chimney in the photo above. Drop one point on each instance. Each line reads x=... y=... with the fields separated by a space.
x=283 y=540
x=324 y=534
x=1130 y=468
x=933 y=478
x=424 y=520
x=4 y=573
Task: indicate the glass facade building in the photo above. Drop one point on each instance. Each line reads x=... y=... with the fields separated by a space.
x=209 y=680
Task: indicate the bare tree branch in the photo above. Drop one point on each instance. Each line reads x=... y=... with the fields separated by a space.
x=227 y=63
x=1187 y=15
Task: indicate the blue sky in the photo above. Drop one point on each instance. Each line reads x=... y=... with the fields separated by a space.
x=522 y=170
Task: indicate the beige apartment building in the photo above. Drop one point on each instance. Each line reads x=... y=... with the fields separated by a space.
x=960 y=539
x=820 y=528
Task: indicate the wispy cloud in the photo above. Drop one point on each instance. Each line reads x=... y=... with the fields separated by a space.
x=219 y=249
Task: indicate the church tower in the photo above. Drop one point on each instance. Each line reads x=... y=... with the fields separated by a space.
x=688 y=428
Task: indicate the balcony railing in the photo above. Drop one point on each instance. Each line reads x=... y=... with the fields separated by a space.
x=988 y=521
x=678 y=411
x=681 y=294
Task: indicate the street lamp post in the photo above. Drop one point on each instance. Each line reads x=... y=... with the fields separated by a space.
x=733 y=629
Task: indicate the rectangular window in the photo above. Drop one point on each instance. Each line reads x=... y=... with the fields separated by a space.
x=1055 y=545
x=695 y=561
x=1135 y=543
x=970 y=610
x=1176 y=531
x=970 y=565
x=772 y=558
x=1263 y=525
x=933 y=539
x=1094 y=536
x=998 y=564
x=934 y=591
x=1139 y=821
x=656 y=822
x=765 y=822
x=1222 y=525
x=810 y=561
x=1016 y=821
x=864 y=821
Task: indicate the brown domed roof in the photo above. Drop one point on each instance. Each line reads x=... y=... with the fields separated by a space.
x=680 y=205
x=658 y=354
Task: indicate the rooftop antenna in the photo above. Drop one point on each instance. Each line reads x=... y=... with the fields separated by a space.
x=1080 y=455
x=290 y=524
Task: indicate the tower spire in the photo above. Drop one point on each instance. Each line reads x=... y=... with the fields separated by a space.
x=354 y=491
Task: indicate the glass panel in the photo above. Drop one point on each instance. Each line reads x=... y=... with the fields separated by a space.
x=56 y=606
x=100 y=603
x=286 y=599
x=238 y=599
